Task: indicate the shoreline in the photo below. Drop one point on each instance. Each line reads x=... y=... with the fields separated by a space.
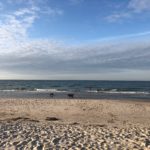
x=76 y=95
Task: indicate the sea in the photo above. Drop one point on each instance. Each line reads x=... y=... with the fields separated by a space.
x=82 y=89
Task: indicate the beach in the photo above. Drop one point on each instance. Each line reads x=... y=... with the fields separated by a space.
x=74 y=124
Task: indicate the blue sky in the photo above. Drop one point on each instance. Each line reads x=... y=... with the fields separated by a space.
x=75 y=39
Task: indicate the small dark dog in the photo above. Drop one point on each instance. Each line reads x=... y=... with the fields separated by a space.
x=71 y=95
x=51 y=94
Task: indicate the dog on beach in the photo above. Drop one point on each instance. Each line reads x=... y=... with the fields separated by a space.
x=51 y=94
x=71 y=95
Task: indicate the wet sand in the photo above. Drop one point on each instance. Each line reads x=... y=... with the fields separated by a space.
x=74 y=124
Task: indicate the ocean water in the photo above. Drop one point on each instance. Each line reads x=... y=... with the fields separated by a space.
x=80 y=88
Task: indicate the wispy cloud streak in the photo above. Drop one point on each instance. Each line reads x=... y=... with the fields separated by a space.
x=139 y=5
x=134 y=7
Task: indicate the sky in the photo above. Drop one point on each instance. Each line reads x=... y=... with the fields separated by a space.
x=75 y=39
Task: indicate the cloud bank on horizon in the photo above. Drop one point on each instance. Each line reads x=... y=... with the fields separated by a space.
x=74 y=39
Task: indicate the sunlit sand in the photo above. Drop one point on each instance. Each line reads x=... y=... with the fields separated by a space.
x=80 y=124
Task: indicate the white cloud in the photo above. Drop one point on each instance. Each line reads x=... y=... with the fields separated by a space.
x=13 y=31
x=52 y=12
x=15 y=25
x=117 y=16
x=46 y=57
x=25 y=11
x=139 y=5
x=134 y=7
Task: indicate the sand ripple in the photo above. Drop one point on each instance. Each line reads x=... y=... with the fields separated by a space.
x=46 y=136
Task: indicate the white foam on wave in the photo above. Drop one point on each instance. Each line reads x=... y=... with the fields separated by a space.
x=92 y=91
x=114 y=91
x=8 y=90
x=125 y=92
x=49 y=90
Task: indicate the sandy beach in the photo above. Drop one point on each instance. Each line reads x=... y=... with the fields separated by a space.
x=74 y=124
